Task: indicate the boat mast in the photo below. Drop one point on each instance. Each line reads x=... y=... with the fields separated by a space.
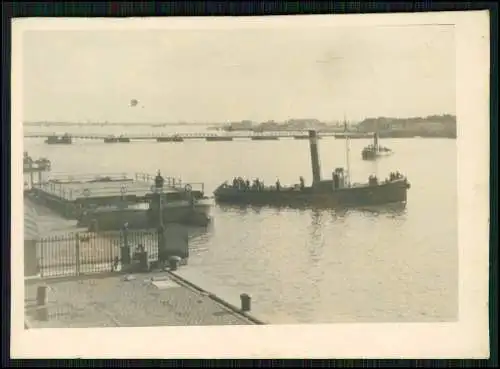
x=375 y=137
x=347 y=154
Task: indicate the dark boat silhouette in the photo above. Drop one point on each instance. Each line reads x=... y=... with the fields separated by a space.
x=335 y=192
x=61 y=140
x=174 y=138
x=114 y=139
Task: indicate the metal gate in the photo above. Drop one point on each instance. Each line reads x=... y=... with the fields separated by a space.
x=74 y=254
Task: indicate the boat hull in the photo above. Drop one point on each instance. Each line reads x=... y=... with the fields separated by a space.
x=362 y=195
x=59 y=142
x=181 y=213
x=372 y=155
x=198 y=214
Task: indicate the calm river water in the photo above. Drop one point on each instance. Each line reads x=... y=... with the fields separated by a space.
x=305 y=266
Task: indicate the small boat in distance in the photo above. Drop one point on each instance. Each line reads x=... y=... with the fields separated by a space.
x=114 y=139
x=337 y=191
x=373 y=151
x=62 y=140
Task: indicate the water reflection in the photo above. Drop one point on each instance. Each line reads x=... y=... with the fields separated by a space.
x=199 y=237
x=316 y=240
x=390 y=210
x=337 y=213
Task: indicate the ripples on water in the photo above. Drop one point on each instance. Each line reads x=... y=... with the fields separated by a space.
x=308 y=266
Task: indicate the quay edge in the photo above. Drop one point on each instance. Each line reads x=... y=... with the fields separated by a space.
x=217 y=299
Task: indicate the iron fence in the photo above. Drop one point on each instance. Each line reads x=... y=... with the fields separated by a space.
x=79 y=253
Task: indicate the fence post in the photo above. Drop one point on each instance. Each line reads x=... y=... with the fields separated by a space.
x=125 y=248
x=40 y=260
x=42 y=301
x=77 y=253
x=40 y=178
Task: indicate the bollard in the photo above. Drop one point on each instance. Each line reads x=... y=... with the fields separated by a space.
x=42 y=299
x=246 y=302
x=77 y=253
x=173 y=262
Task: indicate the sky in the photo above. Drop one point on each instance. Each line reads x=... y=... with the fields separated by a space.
x=220 y=75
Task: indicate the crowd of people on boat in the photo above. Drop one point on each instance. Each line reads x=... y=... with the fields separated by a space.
x=244 y=184
x=376 y=148
x=393 y=176
x=258 y=185
x=372 y=180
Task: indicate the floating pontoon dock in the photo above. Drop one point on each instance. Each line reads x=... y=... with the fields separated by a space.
x=68 y=194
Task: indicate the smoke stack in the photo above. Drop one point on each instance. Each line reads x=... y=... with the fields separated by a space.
x=375 y=139
x=313 y=144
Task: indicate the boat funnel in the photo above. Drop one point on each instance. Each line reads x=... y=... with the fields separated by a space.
x=375 y=139
x=313 y=145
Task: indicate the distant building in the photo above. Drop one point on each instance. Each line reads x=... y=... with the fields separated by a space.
x=290 y=125
x=244 y=125
x=430 y=124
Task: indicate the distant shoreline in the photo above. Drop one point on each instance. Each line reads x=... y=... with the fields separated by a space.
x=104 y=124
x=432 y=126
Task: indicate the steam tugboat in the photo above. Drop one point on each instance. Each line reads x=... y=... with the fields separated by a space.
x=372 y=152
x=334 y=192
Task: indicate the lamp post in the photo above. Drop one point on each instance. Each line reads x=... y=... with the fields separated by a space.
x=123 y=191
x=158 y=189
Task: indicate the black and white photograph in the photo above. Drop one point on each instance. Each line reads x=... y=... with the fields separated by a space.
x=291 y=172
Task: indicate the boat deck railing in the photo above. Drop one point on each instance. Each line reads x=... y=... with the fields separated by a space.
x=83 y=178
x=65 y=192
x=171 y=182
x=148 y=178
x=36 y=167
x=72 y=187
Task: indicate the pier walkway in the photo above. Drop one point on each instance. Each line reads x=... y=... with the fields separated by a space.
x=137 y=300
x=181 y=137
x=83 y=292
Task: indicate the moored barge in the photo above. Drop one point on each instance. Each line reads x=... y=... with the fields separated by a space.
x=108 y=201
